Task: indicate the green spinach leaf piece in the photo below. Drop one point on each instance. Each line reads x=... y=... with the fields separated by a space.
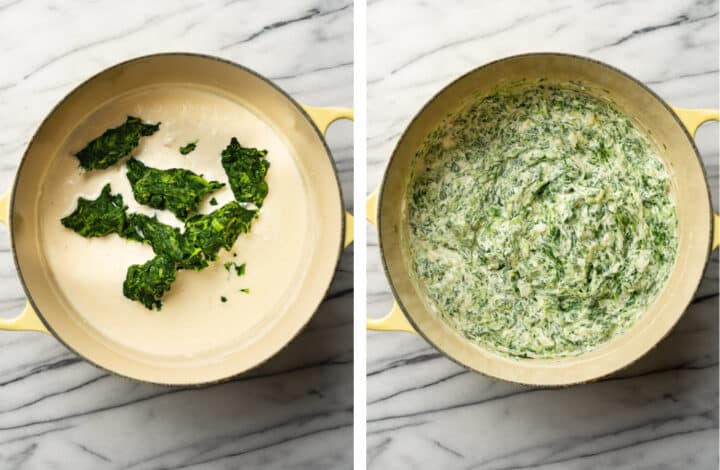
x=218 y=229
x=239 y=268
x=98 y=217
x=177 y=189
x=147 y=283
x=187 y=148
x=114 y=144
x=164 y=239
x=246 y=169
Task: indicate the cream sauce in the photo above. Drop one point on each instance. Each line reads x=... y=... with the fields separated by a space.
x=90 y=272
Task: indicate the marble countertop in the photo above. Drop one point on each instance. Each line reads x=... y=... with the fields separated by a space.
x=57 y=411
x=426 y=412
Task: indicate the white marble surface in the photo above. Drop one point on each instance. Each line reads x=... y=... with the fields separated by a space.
x=58 y=412
x=425 y=412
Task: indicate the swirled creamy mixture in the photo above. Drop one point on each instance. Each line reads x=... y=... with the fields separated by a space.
x=541 y=222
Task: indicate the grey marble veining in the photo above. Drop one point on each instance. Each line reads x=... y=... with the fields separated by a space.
x=426 y=412
x=58 y=412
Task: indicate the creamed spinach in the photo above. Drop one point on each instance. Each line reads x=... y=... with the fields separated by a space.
x=541 y=221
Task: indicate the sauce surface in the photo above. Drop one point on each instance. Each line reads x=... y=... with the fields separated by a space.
x=541 y=221
x=90 y=272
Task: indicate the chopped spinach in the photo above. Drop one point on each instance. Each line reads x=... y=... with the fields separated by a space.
x=246 y=169
x=98 y=217
x=187 y=148
x=223 y=299
x=114 y=144
x=245 y=290
x=164 y=239
x=218 y=229
x=239 y=268
x=200 y=243
x=147 y=283
x=177 y=189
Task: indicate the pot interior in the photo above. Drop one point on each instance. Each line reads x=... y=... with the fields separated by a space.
x=291 y=251
x=689 y=190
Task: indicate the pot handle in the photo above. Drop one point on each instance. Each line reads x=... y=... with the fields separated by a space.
x=692 y=119
x=28 y=319
x=323 y=117
x=395 y=319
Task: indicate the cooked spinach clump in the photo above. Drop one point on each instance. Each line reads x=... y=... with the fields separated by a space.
x=164 y=239
x=218 y=229
x=239 y=268
x=202 y=239
x=194 y=248
x=246 y=169
x=98 y=217
x=114 y=144
x=177 y=189
x=147 y=283
x=187 y=148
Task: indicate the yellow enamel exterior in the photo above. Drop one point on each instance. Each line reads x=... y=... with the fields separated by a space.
x=323 y=117
x=5 y=207
x=27 y=320
x=349 y=228
x=395 y=319
x=692 y=119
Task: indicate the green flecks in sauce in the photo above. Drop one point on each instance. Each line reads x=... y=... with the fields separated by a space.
x=239 y=268
x=187 y=148
x=541 y=222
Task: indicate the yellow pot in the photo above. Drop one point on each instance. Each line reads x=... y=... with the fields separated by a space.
x=672 y=129
x=302 y=128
